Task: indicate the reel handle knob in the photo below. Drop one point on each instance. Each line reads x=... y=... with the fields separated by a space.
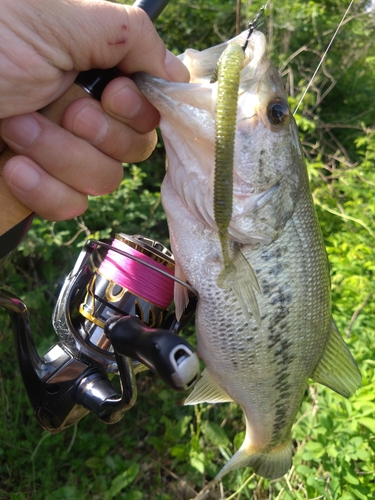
x=169 y=356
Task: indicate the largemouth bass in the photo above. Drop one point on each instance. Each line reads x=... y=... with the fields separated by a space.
x=263 y=365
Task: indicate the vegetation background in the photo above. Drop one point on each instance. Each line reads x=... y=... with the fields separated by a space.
x=162 y=450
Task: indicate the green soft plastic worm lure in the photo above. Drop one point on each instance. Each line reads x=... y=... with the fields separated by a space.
x=228 y=77
x=237 y=272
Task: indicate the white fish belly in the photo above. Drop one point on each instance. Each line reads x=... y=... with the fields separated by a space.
x=264 y=369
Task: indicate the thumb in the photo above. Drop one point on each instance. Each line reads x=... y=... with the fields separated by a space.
x=100 y=34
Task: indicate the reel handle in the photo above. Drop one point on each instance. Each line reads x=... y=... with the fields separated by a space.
x=169 y=356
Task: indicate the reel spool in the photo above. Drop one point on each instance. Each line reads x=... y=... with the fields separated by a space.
x=125 y=286
x=110 y=320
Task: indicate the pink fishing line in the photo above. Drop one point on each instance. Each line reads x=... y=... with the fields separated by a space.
x=139 y=279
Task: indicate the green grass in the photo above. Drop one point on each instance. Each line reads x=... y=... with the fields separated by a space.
x=162 y=450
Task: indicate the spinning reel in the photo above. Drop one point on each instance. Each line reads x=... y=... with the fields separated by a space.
x=111 y=321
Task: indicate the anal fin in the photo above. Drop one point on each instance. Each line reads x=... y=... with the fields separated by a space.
x=336 y=368
x=206 y=390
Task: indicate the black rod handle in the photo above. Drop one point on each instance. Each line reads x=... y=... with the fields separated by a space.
x=15 y=217
x=153 y=8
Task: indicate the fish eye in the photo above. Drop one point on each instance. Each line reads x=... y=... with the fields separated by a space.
x=277 y=111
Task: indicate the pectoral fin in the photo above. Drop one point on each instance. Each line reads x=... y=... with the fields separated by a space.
x=336 y=368
x=241 y=278
x=181 y=297
x=206 y=390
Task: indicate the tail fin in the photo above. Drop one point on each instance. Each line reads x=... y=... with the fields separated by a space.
x=270 y=465
x=239 y=276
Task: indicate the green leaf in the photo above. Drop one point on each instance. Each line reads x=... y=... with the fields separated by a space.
x=180 y=451
x=368 y=422
x=350 y=477
x=94 y=463
x=332 y=450
x=313 y=451
x=304 y=470
x=122 y=481
x=215 y=434
x=182 y=426
x=175 y=430
x=133 y=495
x=239 y=439
x=360 y=494
x=363 y=454
x=65 y=493
x=157 y=442
x=197 y=461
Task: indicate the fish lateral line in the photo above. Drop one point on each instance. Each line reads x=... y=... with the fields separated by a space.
x=295 y=335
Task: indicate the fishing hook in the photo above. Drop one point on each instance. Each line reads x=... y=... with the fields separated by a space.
x=252 y=26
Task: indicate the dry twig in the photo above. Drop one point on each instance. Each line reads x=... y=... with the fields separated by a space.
x=356 y=313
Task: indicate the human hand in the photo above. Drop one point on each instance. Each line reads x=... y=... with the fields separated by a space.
x=43 y=46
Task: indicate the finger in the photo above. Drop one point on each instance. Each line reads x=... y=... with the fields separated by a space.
x=3 y=146
x=110 y=34
x=123 y=100
x=70 y=159
x=42 y=193
x=86 y=119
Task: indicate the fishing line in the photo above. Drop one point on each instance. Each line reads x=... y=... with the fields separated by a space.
x=322 y=59
x=134 y=276
x=147 y=264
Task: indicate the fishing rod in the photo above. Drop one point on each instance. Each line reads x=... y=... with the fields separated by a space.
x=16 y=218
x=114 y=319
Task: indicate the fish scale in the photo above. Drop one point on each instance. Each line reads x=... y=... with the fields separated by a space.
x=265 y=336
x=281 y=338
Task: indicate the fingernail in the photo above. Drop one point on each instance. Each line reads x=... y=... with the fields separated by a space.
x=176 y=70
x=90 y=124
x=24 y=176
x=126 y=103
x=22 y=130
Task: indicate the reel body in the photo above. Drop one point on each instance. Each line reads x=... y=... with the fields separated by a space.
x=111 y=321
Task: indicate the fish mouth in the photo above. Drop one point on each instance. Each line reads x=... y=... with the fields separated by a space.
x=188 y=126
x=202 y=65
x=199 y=94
